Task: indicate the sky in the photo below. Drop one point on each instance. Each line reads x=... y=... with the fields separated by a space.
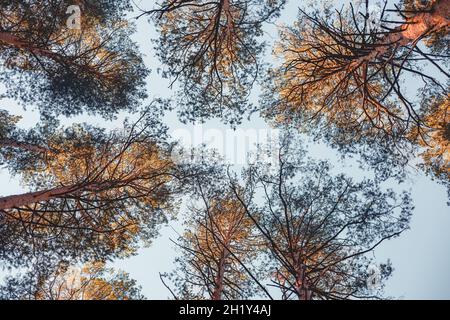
x=420 y=257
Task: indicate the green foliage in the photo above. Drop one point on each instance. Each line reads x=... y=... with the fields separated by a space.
x=93 y=281
x=96 y=69
x=213 y=50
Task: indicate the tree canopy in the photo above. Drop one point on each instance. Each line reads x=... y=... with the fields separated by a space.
x=362 y=80
x=213 y=48
x=343 y=69
x=370 y=81
x=94 y=69
x=293 y=226
x=93 y=193
x=93 y=281
x=318 y=227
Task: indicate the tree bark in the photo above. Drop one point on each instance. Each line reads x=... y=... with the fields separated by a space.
x=301 y=284
x=4 y=143
x=18 y=43
x=218 y=288
x=415 y=27
x=20 y=200
x=24 y=199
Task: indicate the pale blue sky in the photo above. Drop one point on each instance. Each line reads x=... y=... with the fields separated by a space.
x=420 y=256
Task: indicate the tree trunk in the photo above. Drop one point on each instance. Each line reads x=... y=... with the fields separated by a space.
x=18 y=43
x=415 y=27
x=218 y=288
x=24 y=199
x=301 y=284
x=22 y=145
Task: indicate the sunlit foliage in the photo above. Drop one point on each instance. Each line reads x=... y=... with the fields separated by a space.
x=217 y=250
x=95 y=69
x=93 y=281
x=319 y=227
x=93 y=194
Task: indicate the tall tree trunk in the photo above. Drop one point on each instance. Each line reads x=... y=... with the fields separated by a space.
x=16 y=42
x=301 y=285
x=218 y=287
x=24 y=199
x=11 y=143
x=414 y=28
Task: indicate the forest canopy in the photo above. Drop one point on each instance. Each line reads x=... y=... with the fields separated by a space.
x=101 y=175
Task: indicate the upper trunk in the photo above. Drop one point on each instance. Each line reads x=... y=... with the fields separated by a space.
x=301 y=284
x=21 y=200
x=17 y=201
x=413 y=29
x=18 y=43
x=219 y=285
x=23 y=145
x=57 y=57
